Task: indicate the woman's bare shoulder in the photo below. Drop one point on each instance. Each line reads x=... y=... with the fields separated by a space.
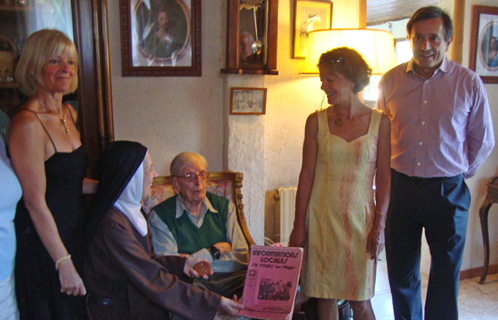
x=313 y=117
x=24 y=117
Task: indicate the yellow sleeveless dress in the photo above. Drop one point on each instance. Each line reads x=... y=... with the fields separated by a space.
x=340 y=216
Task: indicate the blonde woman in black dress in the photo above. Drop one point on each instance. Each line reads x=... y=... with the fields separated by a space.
x=50 y=162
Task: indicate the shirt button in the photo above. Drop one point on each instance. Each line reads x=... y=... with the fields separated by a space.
x=418 y=164
x=423 y=123
x=420 y=143
x=425 y=101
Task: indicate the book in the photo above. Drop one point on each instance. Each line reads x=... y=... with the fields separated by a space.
x=271 y=282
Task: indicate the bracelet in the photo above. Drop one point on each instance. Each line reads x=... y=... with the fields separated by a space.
x=60 y=260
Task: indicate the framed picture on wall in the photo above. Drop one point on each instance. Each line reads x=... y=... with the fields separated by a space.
x=247 y=100
x=484 y=48
x=309 y=16
x=161 y=38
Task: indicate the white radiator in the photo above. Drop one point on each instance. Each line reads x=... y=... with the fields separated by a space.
x=284 y=213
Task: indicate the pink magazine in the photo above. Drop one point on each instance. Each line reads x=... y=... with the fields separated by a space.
x=271 y=282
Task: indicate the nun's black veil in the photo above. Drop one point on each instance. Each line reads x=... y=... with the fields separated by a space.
x=120 y=161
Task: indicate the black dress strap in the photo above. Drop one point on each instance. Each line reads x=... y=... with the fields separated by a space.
x=70 y=113
x=36 y=114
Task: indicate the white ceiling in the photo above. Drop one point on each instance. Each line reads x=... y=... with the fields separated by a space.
x=380 y=11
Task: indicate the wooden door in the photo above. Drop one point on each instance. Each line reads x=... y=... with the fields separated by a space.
x=85 y=22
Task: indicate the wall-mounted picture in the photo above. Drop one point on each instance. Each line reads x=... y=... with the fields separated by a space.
x=161 y=37
x=484 y=48
x=247 y=100
x=310 y=15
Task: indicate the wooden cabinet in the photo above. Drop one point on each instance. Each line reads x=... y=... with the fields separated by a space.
x=252 y=37
x=85 y=22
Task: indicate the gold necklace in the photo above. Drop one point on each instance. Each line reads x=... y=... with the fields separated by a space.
x=64 y=122
x=61 y=117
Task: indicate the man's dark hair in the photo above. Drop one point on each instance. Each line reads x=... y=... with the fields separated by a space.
x=432 y=12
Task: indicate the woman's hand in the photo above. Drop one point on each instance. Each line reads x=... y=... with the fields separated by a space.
x=71 y=283
x=231 y=307
x=189 y=268
x=298 y=237
x=375 y=242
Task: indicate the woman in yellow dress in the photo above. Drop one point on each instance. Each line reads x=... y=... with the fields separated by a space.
x=340 y=218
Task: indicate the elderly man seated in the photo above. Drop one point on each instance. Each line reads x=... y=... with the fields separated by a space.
x=202 y=225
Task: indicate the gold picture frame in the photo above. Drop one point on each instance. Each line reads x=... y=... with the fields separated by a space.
x=247 y=101
x=484 y=53
x=309 y=16
x=161 y=38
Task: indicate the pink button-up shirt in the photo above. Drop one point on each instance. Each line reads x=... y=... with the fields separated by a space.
x=441 y=126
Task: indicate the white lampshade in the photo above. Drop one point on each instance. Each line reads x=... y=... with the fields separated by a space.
x=376 y=46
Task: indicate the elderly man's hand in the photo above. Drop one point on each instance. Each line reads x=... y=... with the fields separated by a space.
x=224 y=247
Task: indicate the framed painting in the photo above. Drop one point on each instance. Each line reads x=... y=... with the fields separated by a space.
x=247 y=100
x=309 y=16
x=484 y=48
x=161 y=38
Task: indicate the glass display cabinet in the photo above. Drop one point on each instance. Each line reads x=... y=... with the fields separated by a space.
x=84 y=21
x=252 y=37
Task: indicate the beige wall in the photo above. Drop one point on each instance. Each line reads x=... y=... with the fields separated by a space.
x=173 y=114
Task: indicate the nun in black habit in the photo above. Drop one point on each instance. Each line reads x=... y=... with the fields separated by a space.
x=123 y=278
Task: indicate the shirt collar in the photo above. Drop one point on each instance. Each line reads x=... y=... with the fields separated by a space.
x=444 y=67
x=180 y=207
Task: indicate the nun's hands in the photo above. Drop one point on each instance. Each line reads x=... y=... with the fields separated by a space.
x=190 y=268
x=232 y=307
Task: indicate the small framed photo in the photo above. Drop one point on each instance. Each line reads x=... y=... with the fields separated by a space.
x=484 y=48
x=310 y=15
x=247 y=100
x=161 y=38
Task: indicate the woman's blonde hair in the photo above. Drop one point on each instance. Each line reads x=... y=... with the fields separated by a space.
x=39 y=48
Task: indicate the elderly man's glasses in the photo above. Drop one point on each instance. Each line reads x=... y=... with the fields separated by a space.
x=191 y=177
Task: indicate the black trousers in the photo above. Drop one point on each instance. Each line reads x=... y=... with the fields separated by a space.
x=440 y=206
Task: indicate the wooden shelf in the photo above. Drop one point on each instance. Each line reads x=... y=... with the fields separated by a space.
x=248 y=71
x=15 y=8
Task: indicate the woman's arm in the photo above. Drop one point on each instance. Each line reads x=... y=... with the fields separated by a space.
x=306 y=178
x=27 y=151
x=375 y=241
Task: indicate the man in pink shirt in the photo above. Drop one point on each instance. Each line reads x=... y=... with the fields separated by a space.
x=441 y=133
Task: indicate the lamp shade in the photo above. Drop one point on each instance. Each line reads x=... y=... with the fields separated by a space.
x=376 y=46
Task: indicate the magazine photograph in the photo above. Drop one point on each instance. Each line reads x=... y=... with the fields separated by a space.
x=271 y=282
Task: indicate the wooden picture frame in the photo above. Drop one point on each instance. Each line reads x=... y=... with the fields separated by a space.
x=484 y=48
x=161 y=38
x=242 y=26
x=309 y=16
x=247 y=101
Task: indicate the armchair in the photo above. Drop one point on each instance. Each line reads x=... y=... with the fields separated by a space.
x=227 y=184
